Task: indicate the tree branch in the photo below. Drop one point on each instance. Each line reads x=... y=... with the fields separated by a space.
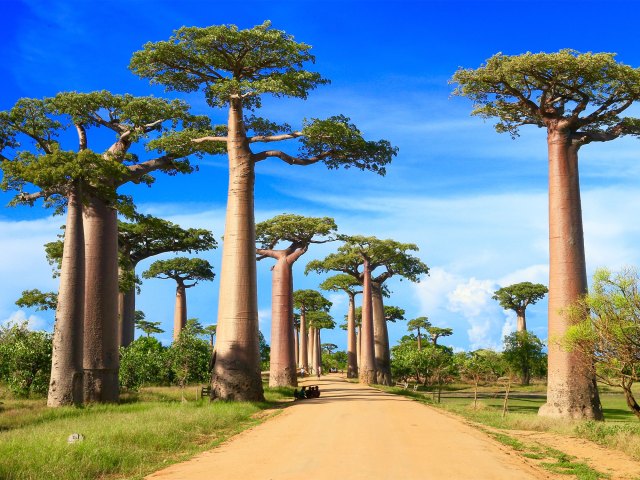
x=291 y=160
x=274 y=138
x=139 y=170
x=264 y=253
x=209 y=139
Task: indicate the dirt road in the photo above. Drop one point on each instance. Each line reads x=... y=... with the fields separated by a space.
x=354 y=432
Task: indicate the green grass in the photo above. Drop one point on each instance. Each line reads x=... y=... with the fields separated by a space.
x=147 y=431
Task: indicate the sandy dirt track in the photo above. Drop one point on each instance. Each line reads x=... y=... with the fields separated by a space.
x=354 y=432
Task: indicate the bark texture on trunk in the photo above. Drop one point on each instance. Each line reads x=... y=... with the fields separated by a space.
x=126 y=315
x=571 y=389
x=358 y=347
x=352 y=359
x=101 y=342
x=318 y=352
x=304 y=355
x=310 y=346
x=381 y=337
x=66 y=385
x=282 y=371
x=236 y=372
x=367 y=367
x=180 y=311
x=522 y=320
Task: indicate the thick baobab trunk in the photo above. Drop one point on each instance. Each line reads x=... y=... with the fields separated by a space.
x=126 y=315
x=304 y=358
x=282 y=371
x=65 y=386
x=236 y=372
x=180 y=311
x=522 y=321
x=571 y=389
x=310 y=346
x=381 y=337
x=101 y=356
x=352 y=359
x=367 y=367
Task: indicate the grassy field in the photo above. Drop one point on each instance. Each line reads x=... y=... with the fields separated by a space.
x=620 y=430
x=147 y=431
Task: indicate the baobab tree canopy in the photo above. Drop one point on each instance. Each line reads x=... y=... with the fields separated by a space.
x=298 y=230
x=520 y=295
x=181 y=269
x=585 y=92
x=230 y=64
x=310 y=300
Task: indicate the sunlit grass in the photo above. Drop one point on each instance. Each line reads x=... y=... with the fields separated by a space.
x=147 y=431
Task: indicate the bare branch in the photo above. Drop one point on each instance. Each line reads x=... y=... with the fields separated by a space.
x=140 y=169
x=209 y=139
x=291 y=160
x=274 y=138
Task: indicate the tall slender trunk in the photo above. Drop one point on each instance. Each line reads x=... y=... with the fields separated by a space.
x=318 y=351
x=522 y=321
x=571 y=389
x=65 y=386
x=100 y=356
x=304 y=351
x=296 y=345
x=236 y=372
x=282 y=371
x=180 y=311
x=367 y=367
x=358 y=347
x=352 y=359
x=381 y=337
x=310 y=346
x=419 y=340
x=127 y=316
x=313 y=340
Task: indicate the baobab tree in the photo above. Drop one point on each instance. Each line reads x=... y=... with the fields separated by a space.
x=308 y=301
x=235 y=69
x=437 y=332
x=145 y=325
x=146 y=236
x=579 y=99
x=318 y=320
x=349 y=285
x=417 y=324
x=518 y=297
x=393 y=259
x=186 y=272
x=298 y=233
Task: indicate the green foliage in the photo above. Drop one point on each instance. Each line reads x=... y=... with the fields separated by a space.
x=39 y=300
x=342 y=282
x=265 y=352
x=310 y=300
x=339 y=143
x=143 y=362
x=420 y=323
x=433 y=363
x=479 y=366
x=25 y=359
x=328 y=347
x=145 y=325
x=334 y=360
x=228 y=62
x=298 y=230
x=392 y=314
x=588 y=91
x=437 y=332
x=606 y=329
x=189 y=358
x=320 y=319
x=523 y=353
x=388 y=254
x=520 y=295
x=181 y=269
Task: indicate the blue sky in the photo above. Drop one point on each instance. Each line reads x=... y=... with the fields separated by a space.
x=473 y=200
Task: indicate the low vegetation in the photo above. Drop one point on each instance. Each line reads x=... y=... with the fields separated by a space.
x=156 y=425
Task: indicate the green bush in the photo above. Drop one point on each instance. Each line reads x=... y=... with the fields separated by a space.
x=25 y=359
x=189 y=358
x=143 y=362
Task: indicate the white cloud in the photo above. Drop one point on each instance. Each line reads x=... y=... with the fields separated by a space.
x=34 y=322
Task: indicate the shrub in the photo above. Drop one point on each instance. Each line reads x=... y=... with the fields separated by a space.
x=143 y=362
